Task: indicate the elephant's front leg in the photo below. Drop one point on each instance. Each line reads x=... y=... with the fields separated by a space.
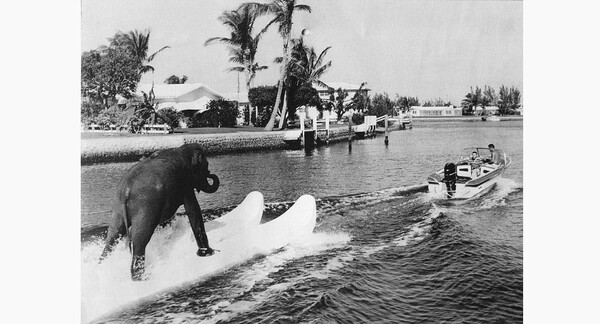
x=194 y=213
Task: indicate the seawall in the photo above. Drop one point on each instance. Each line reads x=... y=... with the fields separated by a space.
x=127 y=149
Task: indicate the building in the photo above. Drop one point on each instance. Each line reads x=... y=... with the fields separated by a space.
x=420 y=111
x=189 y=98
x=352 y=89
x=489 y=110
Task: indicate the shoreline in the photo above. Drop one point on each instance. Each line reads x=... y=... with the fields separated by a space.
x=464 y=118
x=110 y=149
x=130 y=149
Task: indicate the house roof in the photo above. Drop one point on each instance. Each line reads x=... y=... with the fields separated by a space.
x=172 y=91
x=337 y=85
x=200 y=105
x=241 y=97
x=433 y=108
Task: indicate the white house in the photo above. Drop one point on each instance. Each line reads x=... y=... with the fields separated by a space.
x=352 y=89
x=189 y=98
x=489 y=110
x=420 y=111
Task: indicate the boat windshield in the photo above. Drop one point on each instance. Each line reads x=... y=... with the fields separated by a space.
x=484 y=153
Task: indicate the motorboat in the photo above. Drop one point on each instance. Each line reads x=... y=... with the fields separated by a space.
x=474 y=173
x=493 y=118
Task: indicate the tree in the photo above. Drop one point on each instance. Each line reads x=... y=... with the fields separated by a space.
x=508 y=100
x=262 y=98
x=515 y=94
x=220 y=113
x=303 y=95
x=361 y=101
x=404 y=103
x=143 y=112
x=382 y=105
x=306 y=68
x=106 y=73
x=340 y=107
x=489 y=96
x=138 y=43
x=241 y=44
x=471 y=101
x=283 y=10
x=173 y=79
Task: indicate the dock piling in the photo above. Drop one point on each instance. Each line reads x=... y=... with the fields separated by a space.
x=350 y=132
x=386 y=141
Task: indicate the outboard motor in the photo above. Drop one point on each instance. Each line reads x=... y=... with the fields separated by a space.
x=450 y=178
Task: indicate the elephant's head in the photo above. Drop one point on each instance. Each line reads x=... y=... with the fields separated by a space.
x=201 y=174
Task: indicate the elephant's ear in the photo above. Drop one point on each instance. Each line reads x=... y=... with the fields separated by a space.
x=196 y=158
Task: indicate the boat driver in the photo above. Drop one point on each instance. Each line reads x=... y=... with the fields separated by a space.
x=493 y=154
x=475 y=162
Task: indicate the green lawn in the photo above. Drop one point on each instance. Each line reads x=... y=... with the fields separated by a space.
x=200 y=130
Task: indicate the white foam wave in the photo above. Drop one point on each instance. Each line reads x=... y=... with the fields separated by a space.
x=171 y=262
x=497 y=197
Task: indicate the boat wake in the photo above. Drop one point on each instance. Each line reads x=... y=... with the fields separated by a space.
x=172 y=264
x=257 y=284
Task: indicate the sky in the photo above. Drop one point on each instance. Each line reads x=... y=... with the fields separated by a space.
x=424 y=48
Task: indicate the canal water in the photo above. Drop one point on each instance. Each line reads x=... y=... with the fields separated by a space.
x=383 y=250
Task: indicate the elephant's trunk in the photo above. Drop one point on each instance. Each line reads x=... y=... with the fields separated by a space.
x=215 y=185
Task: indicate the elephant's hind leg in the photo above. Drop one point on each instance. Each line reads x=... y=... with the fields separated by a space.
x=141 y=232
x=116 y=228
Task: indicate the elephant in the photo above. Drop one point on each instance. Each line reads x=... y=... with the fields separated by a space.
x=150 y=193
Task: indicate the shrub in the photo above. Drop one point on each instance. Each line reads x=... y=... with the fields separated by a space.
x=263 y=99
x=113 y=115
x=220 y=113
x=169 y=116
x=89 y=110
x=358 y=118
x=263 y=117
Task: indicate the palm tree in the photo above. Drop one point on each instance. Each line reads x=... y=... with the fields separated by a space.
x=306 y=68
x=138 y=44
x=246 y=64
x=242 y=45
x=173 y=79
x=283 y=10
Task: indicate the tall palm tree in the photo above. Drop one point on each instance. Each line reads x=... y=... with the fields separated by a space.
x=138 y=44
x=306 y=68
x=242 y=45
x=283 y=10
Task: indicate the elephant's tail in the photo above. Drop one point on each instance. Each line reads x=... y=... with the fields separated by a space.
x=126 y=221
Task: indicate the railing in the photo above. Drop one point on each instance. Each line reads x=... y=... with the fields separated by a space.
x=156 y=129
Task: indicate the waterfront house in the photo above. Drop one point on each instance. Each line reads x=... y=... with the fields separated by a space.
x=489 y=110
x=189 y=98
x=440 y=111
x=352 y=89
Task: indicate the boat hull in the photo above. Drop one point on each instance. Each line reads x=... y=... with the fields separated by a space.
x=462 y=191
x=470 y=189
